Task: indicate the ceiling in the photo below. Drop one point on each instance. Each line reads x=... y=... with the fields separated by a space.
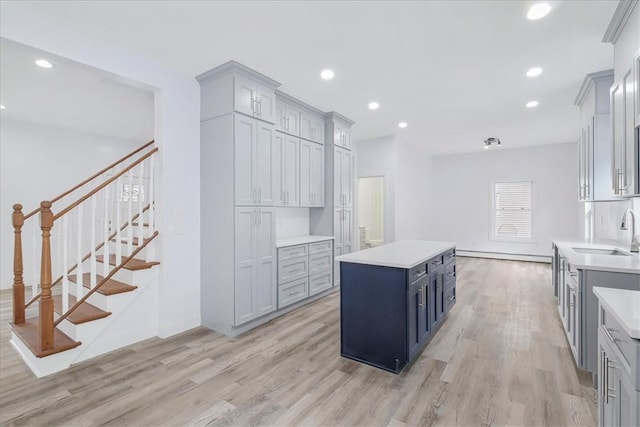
x=71 y=96
x=454 y=70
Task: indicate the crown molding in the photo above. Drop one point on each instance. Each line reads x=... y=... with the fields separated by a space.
x=333 y=115
x=619 y=19
x=281 y=96
x=589 y=80
x=234 y=67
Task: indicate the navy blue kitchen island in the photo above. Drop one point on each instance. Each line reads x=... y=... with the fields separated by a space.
x=393 y=298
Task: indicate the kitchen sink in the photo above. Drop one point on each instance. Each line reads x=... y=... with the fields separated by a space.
x=593 y=251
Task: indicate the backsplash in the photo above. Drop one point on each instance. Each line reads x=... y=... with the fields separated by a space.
x=292 y=222
x=607 y=217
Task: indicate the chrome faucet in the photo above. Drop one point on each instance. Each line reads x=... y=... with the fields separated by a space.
x=635 y=245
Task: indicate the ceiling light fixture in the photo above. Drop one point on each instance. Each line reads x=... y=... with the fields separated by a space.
x=534 y=72
x=491 y=141
x=2 y=107
x=402 y=125
x=374 y=105
x=538 y=10
x=327 y=74
x=532 y=104
x=43 y=63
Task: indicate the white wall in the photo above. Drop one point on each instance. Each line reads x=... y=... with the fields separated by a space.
x=607 y=217
x=376 y=157
x=177 y=134
x=462 y=197
x=37 y=163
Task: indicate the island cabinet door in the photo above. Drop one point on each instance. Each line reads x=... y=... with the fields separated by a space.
x=437 y=295
x=414 y=318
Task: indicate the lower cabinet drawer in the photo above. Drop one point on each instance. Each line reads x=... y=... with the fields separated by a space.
x=292 y=269
x=290 y=252
x=435 y=262
x=449 y=256
x=624 y=342
x=291 y=292
x=320 y=282
x=318 y=247
x=449 y=294
x=450 y=271
x=320 y=262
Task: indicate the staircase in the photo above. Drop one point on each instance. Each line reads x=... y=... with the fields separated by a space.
x=94 y=290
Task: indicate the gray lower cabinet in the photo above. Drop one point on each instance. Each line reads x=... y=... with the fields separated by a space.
x=618 y=372
x=303 y=271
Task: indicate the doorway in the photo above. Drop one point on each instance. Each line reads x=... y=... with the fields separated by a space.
x=371 y=211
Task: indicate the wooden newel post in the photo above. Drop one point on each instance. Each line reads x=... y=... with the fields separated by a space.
x=46 y=303
x=17 y=218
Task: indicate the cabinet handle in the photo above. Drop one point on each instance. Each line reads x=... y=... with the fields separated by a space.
x=606 y=331
x=451 y=274
x=260 y=194
x=259 y=102
x=253 y=105
x=421 y=299
x=424 y=296
x=451 y=298
x=254 y=198
x=421 y=274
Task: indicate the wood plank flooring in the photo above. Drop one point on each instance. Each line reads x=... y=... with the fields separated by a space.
x=499 y=359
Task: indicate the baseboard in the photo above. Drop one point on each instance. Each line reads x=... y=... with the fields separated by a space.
x=167 y=329
x=502 y=255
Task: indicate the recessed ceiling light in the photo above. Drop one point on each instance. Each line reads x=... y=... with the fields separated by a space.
x=2 y=107
x=402 y=125
x=538 y=10
x=532 y=104
x=327 y=74
x=374 y=105
x=534 y=72
x=43 y=63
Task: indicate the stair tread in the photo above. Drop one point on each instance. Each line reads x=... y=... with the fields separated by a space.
x=134 y=241
x=29 y=334
x=84 y=313
x=133 y=265
x=111 y=287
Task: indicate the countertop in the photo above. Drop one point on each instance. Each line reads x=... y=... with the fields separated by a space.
x=624 y=306
x=402 y=254
x=613 y=263
x=301 y=240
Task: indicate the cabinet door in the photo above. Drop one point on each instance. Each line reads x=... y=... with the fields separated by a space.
x=425 y=315
x=346 y=179
x=338 y=199
x=347 y=138
x=281 y=121
x=306 y=153
x=437 y=295
x=312 y=127
x=244 y=172
x=244 y=95
x=617 y=138
x=636 y=64
x=245 y=266
x=292 y=120
x=317 y=175
x=278 y=158
x=581 y=175
x=263 y=159
x=291 y=170
x=630 y=184
x=266 y=104
x=589 y=166
x=347 y=230
x=605 y=403
x=266 y=284
x=414 y=321
x=627 y=399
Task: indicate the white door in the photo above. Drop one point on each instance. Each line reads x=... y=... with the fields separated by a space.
x=245 y=266
x=264 y=164
x=317 y=129
x=292 y=117
x=291 y=170
x=346 y=132
x=277 y=160
x=305 y=172
x=617 y=137
x=629 y=133
x=338 y=139
x=337 y=176
x=244 y=95
x=347 y=230
x=244 y=172
x=266 y=104
x=280 y=117
x=346 y=179
x=267 y=286
x=317 y=174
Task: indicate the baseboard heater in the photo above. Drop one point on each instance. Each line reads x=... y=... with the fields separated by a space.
x=503 y=255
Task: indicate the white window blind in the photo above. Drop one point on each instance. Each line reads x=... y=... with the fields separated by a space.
x=513 y=210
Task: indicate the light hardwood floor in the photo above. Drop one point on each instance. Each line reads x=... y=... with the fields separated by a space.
x=500 y=358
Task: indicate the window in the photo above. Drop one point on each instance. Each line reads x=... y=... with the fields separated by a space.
x=513 y=210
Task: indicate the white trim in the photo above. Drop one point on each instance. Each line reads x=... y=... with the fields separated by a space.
x=619 y=20
x=505 y=256
x=492 y=225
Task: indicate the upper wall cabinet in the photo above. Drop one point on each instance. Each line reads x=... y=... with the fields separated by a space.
x=287 y=118
x=235 y=87
x=340 y=129
x=594 y=142
x=297 y=118
x=624 y=32
x=636 y=64
x=312 y=127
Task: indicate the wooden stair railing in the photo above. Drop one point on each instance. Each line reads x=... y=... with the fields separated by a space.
x=114 y=217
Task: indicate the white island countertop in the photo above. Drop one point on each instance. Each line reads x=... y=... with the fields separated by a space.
x=402 y=254
x=629 y=263
x=301 y=240
x=624 y=306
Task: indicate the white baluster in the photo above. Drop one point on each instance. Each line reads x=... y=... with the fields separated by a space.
x=92 y=260
x=105 y=251
x=130 y=217
x=152 y=224
x=65 y=263
x=79 y=273
x=140 y=204
x=119 y=196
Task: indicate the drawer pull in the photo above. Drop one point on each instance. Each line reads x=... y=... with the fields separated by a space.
x=606 y=331
x=296 y=293
x=451 y=298
x=452 y=274
x=421 y=274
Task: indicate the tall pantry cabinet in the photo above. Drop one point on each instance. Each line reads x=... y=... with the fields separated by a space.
x=238 y=194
